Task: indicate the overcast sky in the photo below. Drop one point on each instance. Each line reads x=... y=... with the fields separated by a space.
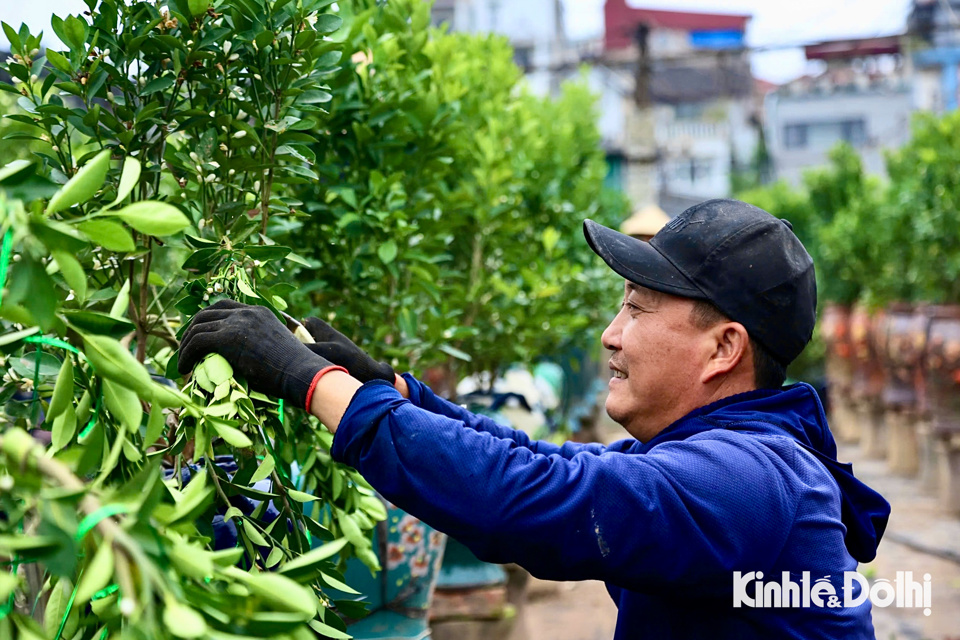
x=776 y=23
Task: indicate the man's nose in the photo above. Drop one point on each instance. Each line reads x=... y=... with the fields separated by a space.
x=611 y=335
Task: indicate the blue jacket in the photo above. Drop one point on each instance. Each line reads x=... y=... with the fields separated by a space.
x=749 y=483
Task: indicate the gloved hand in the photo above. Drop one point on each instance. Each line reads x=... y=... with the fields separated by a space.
x=340 y=350
x=258 y=347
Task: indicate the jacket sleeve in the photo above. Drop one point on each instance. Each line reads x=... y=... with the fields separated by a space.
x=685 y=514
x=423 y=397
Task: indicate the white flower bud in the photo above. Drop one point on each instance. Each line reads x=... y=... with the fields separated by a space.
x=231 y=172
x=209 y=289
x=227 y=46
x=256 y=263
x=206 y=297
x=241 y=115
x=34 y=78
x=202 y=223
x=218 y=287
x=213 y=114
x=194 y=156
x=223 y=147
x=233 y=56
x=16 y=257
x=6 y=483
x=256 y=185
x=256 y=76
x=210 y=177
x=110 y=96
x=127 y=607
x=240 y=134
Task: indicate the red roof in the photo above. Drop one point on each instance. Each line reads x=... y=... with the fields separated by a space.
x=845 y=49
x=621 y=21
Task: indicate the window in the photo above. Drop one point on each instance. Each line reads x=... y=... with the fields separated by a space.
x=442 y=14
x=523 y=56
x=692 y=169
x=823 y=135
x=795 y=136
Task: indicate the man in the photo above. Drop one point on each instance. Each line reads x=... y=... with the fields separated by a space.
x=726 y=471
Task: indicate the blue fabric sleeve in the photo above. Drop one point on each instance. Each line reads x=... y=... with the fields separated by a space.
x=422 y=396
x=639 y=521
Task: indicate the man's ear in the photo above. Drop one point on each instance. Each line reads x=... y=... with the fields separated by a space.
x=731 y=346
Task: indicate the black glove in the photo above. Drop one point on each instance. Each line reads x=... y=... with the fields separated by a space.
x=340 y=350
x=258 y=347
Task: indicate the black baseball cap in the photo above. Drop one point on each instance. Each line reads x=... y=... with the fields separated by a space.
x=746 y=262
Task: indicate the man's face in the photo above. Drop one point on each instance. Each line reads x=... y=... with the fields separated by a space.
x=657 y=360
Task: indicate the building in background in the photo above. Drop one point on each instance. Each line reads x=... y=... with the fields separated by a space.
x=864 y=96
x=534 y=28
x=934 y=27
x=677 y=100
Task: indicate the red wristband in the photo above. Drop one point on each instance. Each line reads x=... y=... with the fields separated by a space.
x=316 y=379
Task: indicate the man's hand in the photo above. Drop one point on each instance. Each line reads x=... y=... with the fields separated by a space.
x=258 y=347
x=340 y=350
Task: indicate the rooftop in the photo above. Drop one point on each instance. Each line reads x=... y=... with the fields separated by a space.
x=621 y=21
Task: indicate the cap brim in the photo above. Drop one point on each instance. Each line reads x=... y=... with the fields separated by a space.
x=638 y=261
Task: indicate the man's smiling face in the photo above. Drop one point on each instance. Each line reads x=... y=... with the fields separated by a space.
x=657 y=360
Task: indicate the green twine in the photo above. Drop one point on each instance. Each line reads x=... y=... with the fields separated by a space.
x=93 y=519
x=5 y=259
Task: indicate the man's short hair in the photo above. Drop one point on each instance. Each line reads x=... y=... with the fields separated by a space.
x=768 y=372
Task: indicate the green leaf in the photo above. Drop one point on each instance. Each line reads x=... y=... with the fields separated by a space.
x=307 y=563
x=9 y=338
x=108 y=234
x=128 y=179
x=264 y=470
x=113 y=361
x=64 y=428
x=217 y=368
x=56 y=610
x=83 y=185
x=338 y=585
x=197 y=7
x=121 y=302
x=124 y=404
x=75 y=30
x=255 y=536
x=158 y=84
x=387 y=251
x=62 y=390
x=233 y=437
x=72 y=273
x=13 y=168
x=193 y=501
x=59 y=61
x=192 y=561
x=282 y=592
x=314 y=96
x=456 y=353
x=183 y=621
x=98 y=323
x=300 y=496
x=96 y=575
x=154 y=218
x=327 y=23
x=155 y=425
x=8 y=584
x=327 y=631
